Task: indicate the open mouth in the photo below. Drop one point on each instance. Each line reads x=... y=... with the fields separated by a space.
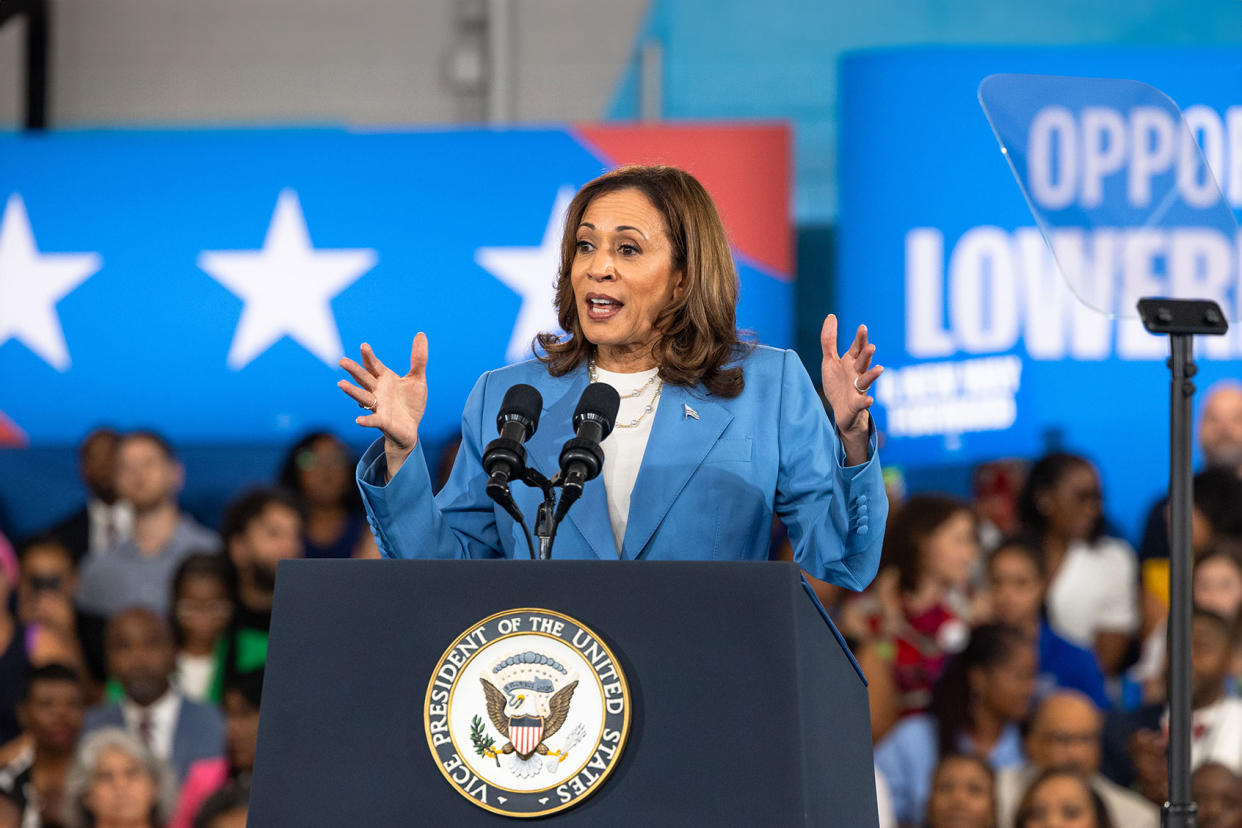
x=600 y=308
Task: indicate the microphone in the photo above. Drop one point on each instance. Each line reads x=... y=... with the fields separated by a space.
x=505 y=457
x=582 y=458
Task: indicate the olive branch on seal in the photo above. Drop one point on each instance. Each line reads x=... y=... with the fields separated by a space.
x=482 y=742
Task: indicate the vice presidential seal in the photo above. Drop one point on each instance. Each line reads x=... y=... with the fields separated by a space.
x=527 y=712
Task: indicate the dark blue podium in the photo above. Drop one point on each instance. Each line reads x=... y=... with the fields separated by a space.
x=747 y=707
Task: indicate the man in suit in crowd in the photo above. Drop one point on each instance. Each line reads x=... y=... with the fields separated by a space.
x=105 y=520
x=142 y=657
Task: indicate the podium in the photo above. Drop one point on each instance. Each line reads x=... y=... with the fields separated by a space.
x=747 y=707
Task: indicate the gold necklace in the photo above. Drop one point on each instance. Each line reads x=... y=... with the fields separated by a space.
x=593 y=376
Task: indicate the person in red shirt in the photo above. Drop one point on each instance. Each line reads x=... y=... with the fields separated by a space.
x=922 y=598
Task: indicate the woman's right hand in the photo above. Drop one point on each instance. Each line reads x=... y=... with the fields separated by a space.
x=397 y=403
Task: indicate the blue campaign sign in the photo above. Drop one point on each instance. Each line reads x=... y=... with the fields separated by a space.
x=990 y=352
x=206 y=283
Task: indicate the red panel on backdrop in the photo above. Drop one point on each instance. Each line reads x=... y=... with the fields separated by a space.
x=745 y=168
x=10 y=435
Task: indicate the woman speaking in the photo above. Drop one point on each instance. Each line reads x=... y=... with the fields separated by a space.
x=713 y=434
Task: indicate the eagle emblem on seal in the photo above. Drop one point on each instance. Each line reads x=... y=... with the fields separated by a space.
x=530 y=705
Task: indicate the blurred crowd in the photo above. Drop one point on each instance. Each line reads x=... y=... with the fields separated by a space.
x=1014 y=644
x=1015 y=647
x=133 y=639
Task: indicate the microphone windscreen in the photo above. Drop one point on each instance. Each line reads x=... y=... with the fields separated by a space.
x=524 y=401
x=601 y=401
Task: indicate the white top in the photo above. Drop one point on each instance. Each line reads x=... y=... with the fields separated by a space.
x=163 y=713
x=109 y=525
x=884 y=802
x=624 y=447
x=1215 y=734
x=1095 y=590
x=194 y=675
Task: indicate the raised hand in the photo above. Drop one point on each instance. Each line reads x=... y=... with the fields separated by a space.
x=397 y=403
x=846 y=381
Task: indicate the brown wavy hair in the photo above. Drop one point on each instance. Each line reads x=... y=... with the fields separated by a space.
x=698 y=328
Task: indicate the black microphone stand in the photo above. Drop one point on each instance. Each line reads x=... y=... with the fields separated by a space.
x=1181 y=319
x=545 y=525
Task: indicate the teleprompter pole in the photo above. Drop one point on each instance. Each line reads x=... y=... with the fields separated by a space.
x=1180 y=319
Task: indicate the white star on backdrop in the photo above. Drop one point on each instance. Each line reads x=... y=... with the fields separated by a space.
x=287 y=287
x=531 y=273
x=31 y=283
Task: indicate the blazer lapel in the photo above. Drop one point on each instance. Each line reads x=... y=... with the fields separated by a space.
x=590 y=513
x=678 y=444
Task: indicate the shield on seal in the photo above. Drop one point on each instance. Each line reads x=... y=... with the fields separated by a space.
x=525 y=732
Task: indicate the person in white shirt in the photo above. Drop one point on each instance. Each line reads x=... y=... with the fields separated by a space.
x=1216 y=721
x=1216 y=717
x=1092 y=595
x=176 y=729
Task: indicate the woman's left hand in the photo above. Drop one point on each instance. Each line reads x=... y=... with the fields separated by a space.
x=847 y=381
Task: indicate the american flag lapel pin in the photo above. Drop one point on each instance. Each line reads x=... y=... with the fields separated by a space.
x=690 y=412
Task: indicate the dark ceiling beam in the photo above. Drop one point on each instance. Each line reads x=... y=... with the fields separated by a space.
x=37 y=56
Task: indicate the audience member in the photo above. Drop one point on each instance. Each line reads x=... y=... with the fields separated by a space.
x=1218 y=793
x=1220 y=439
x=142 y=658
x=1216 y=519
x=1217 y=585
x=106 y=519
x=139 y=570
x=319 y=471
x=1135 y=741
x=1062 y=799
x=931 y=545
x=116 y=782
x=1216 y=724
x=60 y=634
x=976 y=706
x=51 y=713
x=261 y=528
x=241 y=718
x=995 y=486
x=1065 y=732
x=1215 y=515
x=202 y=607
x=226 y=808
x=1092 y=579
x=16 y=642
x=1218 y=580
x=1016 y=586
x=963 y=794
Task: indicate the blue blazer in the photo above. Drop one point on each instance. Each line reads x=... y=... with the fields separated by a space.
x=198 y=734
x=713 y=473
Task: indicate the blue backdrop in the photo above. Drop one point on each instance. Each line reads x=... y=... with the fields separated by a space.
x=205 y=283
x=989 y=354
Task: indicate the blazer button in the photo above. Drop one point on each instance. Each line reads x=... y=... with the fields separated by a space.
x=861 y=529
x=861 y=499
x=862 y=509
